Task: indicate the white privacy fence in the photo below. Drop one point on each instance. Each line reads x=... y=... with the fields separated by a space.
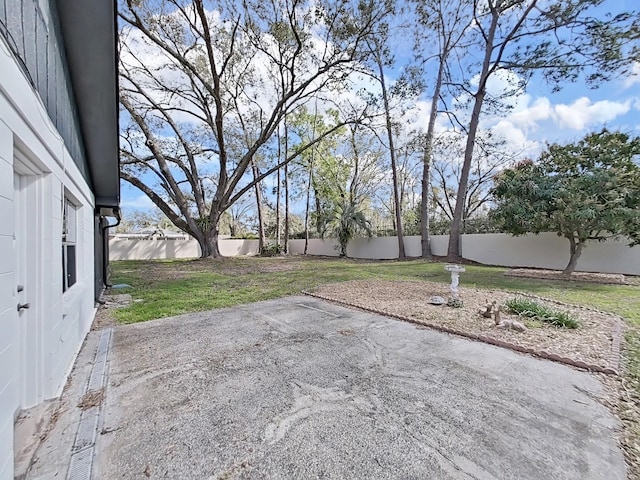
x=164 y=248
x=546 y=250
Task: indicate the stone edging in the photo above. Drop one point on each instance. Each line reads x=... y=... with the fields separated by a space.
x=610 y=370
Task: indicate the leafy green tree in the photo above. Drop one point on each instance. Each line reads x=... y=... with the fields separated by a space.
x=296 y=226
x=383 y=61
x=341 y=169
x=562 y=40
x=584 y=191
x=344 y=222
x=138 y=219
x=303 y=126
x=195 y=74
x=446 y=21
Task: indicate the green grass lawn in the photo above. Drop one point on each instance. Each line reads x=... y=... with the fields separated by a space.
x=173 y=287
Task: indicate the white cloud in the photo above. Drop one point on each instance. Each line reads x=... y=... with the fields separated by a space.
x=505 y=85
x=582 y=113
x=417 y=118
x=510 y=133
x=528 y=116
x=516 y=139
x=634 y=76
x=141 y=202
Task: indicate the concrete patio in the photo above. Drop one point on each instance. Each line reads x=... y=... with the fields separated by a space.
x=300 y=388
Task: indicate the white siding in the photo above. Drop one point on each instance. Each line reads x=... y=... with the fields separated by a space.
x=8 y=319
x=63 y=320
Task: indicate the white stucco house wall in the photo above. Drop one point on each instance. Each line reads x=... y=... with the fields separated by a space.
x=58 y=186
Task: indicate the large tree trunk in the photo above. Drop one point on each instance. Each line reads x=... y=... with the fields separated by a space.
x=278 y=209
x=426 y=164
x=306 y=211
x=286 y=188
x=392 y=155
x=209 y=247
x=205 y=246
x=286 y=208
x=576 y=251
x=262 y=240
x=278 y=193
x=458 y=213
x=208 y=241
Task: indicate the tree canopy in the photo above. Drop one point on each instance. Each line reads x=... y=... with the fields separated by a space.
x=589 y=190
x=206 y=85
x=226 y=102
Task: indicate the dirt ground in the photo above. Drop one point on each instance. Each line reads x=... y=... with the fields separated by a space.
x=605 y=278
x=591 y=343
x=104 y=318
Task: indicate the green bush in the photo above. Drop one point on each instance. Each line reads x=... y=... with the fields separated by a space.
x=532 y=309
x=455 y=302
x=481 y=224
x=245 y=236
x=272 y=249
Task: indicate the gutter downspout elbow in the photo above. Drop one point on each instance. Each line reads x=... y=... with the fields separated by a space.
x=105 y=247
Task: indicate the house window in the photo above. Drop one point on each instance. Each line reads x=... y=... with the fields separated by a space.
x=69 y=238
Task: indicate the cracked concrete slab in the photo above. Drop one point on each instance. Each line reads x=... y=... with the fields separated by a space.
x=300 y=388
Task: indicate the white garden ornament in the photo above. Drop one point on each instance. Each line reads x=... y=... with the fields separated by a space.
x=455 y=270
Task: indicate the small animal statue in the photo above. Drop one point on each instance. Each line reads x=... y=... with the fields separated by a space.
x=488 y=309
x=512 y=325
x=506 y=324
x=496 y=309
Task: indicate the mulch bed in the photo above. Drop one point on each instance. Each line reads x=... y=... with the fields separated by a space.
x=594 y=346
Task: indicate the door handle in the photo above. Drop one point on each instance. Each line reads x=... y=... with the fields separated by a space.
x=23 y=306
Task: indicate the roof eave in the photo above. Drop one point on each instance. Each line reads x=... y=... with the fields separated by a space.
x=89 y=30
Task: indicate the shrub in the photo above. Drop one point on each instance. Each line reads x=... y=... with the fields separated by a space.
x=532 y=309
x=245 y=236
x=272 y=250
x=455 y=302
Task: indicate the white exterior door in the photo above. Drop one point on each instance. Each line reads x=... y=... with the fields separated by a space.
x=27 y=226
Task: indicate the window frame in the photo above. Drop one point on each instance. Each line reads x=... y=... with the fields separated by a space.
x=69 y=239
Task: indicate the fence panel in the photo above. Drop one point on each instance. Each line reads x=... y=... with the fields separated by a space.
x=546 y=250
